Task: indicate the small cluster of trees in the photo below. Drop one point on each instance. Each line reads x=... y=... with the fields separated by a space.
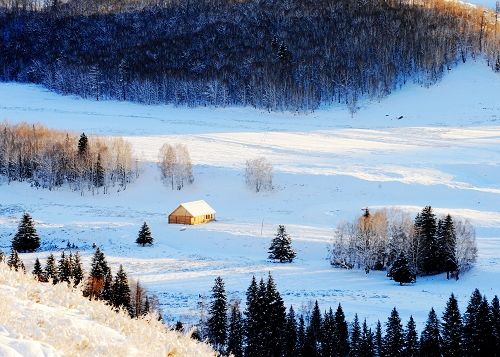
x=426 y=245
x=266 y=329
x=259 y=174
x=50 y=158
x=68 y=269
x=175 y=165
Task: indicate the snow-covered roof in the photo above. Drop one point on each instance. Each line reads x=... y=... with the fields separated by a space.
x=198 y=208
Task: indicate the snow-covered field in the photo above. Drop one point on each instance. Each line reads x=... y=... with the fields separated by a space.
x=437 y=145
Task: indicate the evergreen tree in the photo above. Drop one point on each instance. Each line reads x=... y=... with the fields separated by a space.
x=77 y=269
x=147 y=308
x=447 y=242
x=83 y=145
x=400 y=270
x=485 y=340
x=290 y=334
x=99 y=173
x=378 y=346
x=393 y=342
x=276 y=318
x=366 y=343
x=355 y=337
x=121 y=291
x=179 y=327
x=107 y=289
x=425 y=230
x=301 y=337
x=495 y=321
x=471 y=337
x=51 y=269
x=281 y=247
x=430 y=339
x=328 y=334
x=217 y=322
x=144 y=236
x=313 y=333
x=342 y=333
x=411 y=346
x=253 y=323
x=235 y=333
x=14 y=262
x=26 y=239
x=452 y=329
x=64 y=269
x=98 y=270
x=37 y=270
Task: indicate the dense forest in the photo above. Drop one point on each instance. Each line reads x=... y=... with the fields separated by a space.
x=278 y=55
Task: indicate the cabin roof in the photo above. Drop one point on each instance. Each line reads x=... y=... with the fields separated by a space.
x=196 y=208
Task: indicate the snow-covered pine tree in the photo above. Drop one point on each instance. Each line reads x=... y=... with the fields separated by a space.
x=14 y=262
x=217 y=321
x=76 y=269
x=235 y=331
x=290 y=334
x=276 y=314
x=411 y=345
x=452 y=329
x=98 y=269
x=447 y=241
x=400 y=271
x=393 y=342
x=328 y=334
x=313 y=333
x=425 y=230
x=430 y=339
x=51 y=269
x=342 y=332
x=355 y=337
x=121 y=291
x=37 y=270
x=144 y=237
x=64 y=269
x=281 y=246
x=366 y=343
x=26 y=239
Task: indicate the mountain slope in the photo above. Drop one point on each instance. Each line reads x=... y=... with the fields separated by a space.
x=53 y=320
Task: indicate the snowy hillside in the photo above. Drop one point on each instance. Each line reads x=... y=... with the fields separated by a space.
x=45 y=320
x=419 y=146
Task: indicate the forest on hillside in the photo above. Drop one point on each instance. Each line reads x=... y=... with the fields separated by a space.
x=277 y=55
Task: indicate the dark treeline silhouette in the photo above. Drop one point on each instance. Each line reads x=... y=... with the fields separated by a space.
x=292 y=54
x=51 y=158
x=267 y=329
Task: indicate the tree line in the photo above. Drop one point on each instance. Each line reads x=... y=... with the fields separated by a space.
x=427 y=245
x=266 y=328
x=278 y=55
x=50 y=158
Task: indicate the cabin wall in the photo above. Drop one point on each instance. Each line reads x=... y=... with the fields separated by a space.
x=185 y=219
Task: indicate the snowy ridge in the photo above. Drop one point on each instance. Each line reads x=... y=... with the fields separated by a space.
x=54 y=320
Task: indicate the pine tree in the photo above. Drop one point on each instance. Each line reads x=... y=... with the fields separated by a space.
x=486 y=340
x=276 y=318
x=26 y=239
x=328 y=334
x=411 y=346
x=179 y=327
x=107 y=289
x=14 y=262
x=99 y=173
x=77 y=269
x=430 y=339
x=313 y=333
x=447 y=241
x=37 y=270
x=471 y=339
x=217 y=322
x=342 y=333
x=83 y=145
x=235 y=333
x=290 y=334
x=252 y=323
x=144 y=236
x=393 y=342
x=281 y=247
x=452 y=329
x=64 y=269
x=301 y=337
x=98 y=270
x=378 y=346
x=495 y=322
x=121 y=291
x=425 y=230
x=51 y=269
x=400 y=270
x=366 y=343
x=147 y=308
x=355 y=337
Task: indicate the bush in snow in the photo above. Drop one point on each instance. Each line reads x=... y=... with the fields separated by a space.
x=259 y=174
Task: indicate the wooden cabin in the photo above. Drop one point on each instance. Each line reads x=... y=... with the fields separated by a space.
x=196 y=212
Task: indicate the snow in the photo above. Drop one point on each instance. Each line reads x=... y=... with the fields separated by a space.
x=419 y=146
x=43 y=320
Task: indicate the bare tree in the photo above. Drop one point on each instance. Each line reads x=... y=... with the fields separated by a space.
x=175 y=165
x=465 y=248
x=259 y=174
